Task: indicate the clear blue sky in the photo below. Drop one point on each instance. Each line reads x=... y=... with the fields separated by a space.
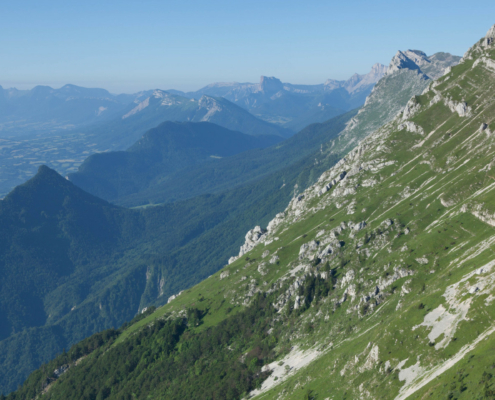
x=127 y=46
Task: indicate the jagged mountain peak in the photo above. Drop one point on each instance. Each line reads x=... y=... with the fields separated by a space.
x=404 y=60
x=433 y=66
x=357 y=82
x=489 y=37
x=491 y=33
x=378 y=68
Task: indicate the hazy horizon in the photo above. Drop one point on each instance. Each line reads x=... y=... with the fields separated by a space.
x=254 y=81
x=127 y=47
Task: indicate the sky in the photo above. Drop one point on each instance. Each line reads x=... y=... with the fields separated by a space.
x=126 y=46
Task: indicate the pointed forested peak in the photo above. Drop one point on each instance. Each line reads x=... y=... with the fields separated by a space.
x=46 y=176
x=46 y=191
x=44 y=171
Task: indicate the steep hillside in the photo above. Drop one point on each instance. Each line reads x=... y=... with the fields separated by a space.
x=169 y=147
x=408 y=74
x=377 y=282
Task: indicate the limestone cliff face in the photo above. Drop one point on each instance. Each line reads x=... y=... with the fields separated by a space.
x=270 y=85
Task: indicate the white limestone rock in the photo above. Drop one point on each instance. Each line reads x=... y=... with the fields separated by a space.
x=411 y=127
x=411 y=60
x=320 y=233
x=275 y=222
x=174 y=296
x=360 y=225
x=489 y=37
x=460 y=108
x=274 y=259
x=307 y=248
x=253 y=238
x=325 y=252
x=347 y=278
x=436 y=99
x=412 y=107
x=262 y=269
x=224 y=274
x=298 y=302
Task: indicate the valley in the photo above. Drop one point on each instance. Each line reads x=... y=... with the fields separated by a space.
x=21 y=157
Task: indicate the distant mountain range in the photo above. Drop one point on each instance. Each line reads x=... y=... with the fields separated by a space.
x=295 y=106
x=43 y=108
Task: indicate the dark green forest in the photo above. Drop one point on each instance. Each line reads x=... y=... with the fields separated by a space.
x=169 y=147
x=173 y=357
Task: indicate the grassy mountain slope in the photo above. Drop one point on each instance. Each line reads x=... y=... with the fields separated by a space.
x=376 y=282
x=169 y=147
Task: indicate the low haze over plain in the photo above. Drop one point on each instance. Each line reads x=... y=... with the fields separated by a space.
x=127 y=46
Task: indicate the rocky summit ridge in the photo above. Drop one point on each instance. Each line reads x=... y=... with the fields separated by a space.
x=377 y=282
x=407 y=75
